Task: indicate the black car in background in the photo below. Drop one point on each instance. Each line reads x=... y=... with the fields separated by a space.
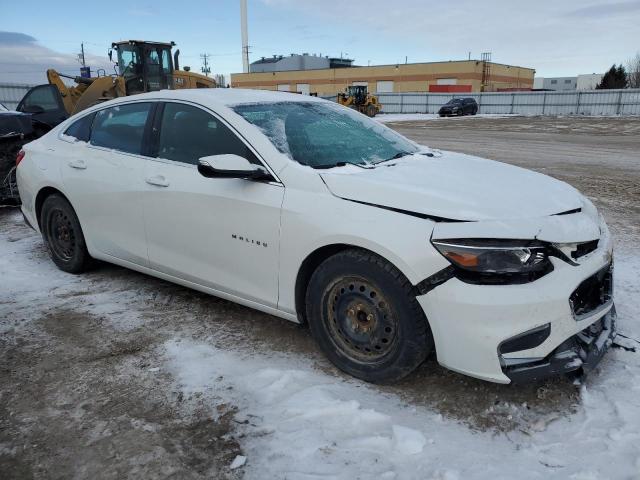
x=459 y=106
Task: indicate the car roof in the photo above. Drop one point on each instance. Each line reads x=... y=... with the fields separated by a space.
x=225 y=97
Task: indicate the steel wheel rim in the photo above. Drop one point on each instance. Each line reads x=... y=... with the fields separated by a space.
x=360 y=320
x=61 y=235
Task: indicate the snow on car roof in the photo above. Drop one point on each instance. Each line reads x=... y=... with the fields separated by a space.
x=226 y=96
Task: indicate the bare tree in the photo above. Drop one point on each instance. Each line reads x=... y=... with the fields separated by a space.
x=633 y=71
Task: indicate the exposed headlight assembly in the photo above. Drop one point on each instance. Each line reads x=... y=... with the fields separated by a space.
x=496 y=261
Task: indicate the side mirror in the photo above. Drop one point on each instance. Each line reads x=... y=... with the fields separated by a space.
x=230 y=166
x=110 y=55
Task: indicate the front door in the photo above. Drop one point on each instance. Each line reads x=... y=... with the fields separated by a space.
x=222 y=233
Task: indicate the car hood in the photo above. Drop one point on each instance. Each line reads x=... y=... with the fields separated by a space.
x=456 y=187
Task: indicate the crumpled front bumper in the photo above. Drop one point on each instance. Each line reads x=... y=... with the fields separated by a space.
x=471 y=323
x=582 y=352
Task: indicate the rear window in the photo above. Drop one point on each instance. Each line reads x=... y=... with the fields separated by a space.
x=121 y=127
x=81 y=129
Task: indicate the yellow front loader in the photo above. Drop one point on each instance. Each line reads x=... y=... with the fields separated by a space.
x=142 y=66
x=358 y=98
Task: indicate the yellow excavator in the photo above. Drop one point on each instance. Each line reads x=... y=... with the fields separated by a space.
x=142 y=66
x=358 y=98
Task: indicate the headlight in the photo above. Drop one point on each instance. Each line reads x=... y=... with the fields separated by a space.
x=504 y=261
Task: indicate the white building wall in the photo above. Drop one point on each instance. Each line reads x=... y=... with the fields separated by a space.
x=589 y=81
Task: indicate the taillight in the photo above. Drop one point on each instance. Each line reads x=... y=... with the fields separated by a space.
x=19 y=157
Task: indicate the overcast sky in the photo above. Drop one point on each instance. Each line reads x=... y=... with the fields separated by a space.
x=557 y=38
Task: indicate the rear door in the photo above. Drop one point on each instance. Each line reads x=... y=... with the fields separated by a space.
x=105 y=180
x=222 y=233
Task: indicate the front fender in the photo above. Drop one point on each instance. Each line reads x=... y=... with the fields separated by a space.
x=311 y=222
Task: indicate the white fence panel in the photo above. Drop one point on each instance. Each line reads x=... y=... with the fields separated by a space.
x=591 y=102
x=12 y=93
x=629 y=103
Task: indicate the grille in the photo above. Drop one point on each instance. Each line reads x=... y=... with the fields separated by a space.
x=592 y=293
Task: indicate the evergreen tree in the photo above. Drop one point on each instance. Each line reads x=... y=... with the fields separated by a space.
x=616 y=77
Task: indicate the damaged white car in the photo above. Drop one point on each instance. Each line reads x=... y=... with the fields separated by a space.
x=309 y=211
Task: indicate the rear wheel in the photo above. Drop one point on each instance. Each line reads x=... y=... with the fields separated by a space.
x=63 y=235
x=365 y=317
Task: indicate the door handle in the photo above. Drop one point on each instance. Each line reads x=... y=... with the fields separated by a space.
x=78 y=164
x=158 y=181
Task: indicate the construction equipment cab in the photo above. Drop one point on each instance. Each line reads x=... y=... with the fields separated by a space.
x=145 y=66
x=149 y=66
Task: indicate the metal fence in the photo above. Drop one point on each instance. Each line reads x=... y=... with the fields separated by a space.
x=12 y=93
x=588 y=102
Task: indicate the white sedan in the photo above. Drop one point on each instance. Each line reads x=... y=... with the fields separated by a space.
x=309 y=211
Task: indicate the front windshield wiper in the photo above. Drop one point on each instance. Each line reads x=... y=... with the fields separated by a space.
x=397 y=156
x=331 y=165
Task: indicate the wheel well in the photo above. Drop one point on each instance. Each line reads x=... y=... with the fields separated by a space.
x=307 y=268
x=309 y=265
x=41 y=197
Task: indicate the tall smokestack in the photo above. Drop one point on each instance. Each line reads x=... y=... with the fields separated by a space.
x=245 y=36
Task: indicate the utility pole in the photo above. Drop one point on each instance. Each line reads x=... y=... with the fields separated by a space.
x=84 y=70
x=205 y=59
x=245 y=36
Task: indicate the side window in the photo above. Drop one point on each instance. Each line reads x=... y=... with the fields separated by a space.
x=166 y=65
x=121 y=127
x=188 y=133
x=41 y=99
x=81 y=129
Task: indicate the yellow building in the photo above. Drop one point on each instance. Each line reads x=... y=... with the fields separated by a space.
x=455 y=76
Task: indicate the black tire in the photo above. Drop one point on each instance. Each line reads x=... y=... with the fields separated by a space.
x=371 y=110
x=475 y=110
x=363 y=313
x=63 y=235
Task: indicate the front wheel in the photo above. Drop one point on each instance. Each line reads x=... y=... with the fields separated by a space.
x=371 y=110
x=63 y=235
x=363 y=313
